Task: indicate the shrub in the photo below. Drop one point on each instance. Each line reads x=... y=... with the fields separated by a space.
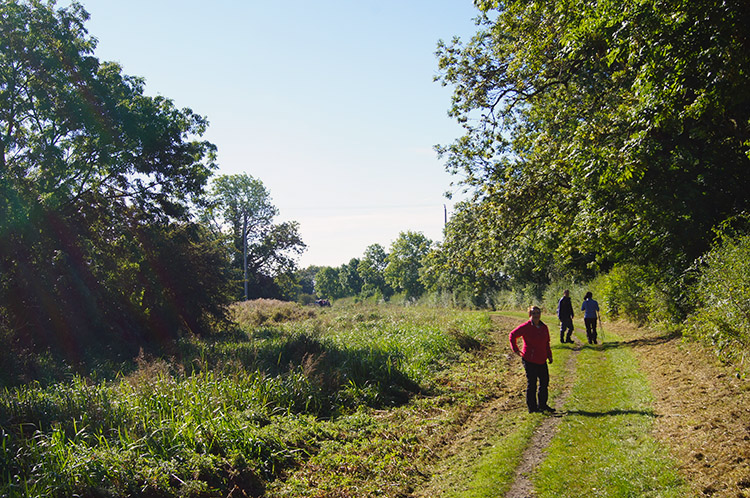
x=625 y=293
x=722 y=317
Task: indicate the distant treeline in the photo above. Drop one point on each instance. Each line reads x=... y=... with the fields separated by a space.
x=604 y=139
x=604 y=144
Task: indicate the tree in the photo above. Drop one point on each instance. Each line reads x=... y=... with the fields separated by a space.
x=87 y=161
x=328 y=283
x=306 y=279
x=351 y=280
x=603 y=132
x=262 y=249
x=464 y=264
x=372 y=270
x=404 y=262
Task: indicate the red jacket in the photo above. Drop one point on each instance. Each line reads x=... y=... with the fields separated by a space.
x=536 y=347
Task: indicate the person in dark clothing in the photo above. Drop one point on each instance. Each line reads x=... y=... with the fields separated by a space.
x=590 y=310
x=565 y=314
x=534 y=355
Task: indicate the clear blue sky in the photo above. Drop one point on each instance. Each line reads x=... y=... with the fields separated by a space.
x=330 y=103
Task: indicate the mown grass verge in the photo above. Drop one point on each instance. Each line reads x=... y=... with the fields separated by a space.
x=604 y=445
x=488 y=470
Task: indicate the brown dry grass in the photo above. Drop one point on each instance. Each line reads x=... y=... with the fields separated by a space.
x=703 y=409
x=268 y=311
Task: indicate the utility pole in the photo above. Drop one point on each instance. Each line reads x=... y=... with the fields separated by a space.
x=244 y=249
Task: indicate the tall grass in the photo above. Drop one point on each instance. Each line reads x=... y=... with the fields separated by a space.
x=230 y=412
x=722 y=315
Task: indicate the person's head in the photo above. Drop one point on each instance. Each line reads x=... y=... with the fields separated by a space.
x=566 y=293
x=588 y=295
x=535 y=313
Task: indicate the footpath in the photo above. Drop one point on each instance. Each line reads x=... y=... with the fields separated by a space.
x=640 y=414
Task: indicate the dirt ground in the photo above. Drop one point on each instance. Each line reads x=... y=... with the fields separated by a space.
x=703 y=410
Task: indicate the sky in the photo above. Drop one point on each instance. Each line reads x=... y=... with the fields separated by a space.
x=332 y=104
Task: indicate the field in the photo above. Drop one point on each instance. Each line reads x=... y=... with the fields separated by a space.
x=383 y=401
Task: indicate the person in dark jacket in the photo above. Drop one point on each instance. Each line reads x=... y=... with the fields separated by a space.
x=565 y=314
x=534 y=355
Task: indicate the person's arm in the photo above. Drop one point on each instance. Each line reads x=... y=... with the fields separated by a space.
x=513 y=338
x=549 y=348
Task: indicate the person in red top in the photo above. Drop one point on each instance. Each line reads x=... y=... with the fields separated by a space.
x=534 y=355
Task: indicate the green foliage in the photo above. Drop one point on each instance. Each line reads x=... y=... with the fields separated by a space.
x=96 y=183
x=240 y=205
x=596 y=134
x=351 y=280
x=627 y=293
x=237 y=410
x=328 y=283
x=722 y=313
x=372 y=271
x=404 y=262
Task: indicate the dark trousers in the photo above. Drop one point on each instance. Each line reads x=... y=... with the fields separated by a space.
x=534 y=373
x=566 y=324
x=590 y=329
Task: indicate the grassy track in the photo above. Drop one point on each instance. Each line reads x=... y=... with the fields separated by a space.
x=604 y=445
x=490 y=472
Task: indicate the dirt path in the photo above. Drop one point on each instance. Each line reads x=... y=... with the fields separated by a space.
x=703 y=410
x=702 y=415
x=536 y=451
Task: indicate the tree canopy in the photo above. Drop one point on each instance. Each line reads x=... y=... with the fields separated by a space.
x=262 y=249
x=404 y=262
x=598 y=133
x=96 y=184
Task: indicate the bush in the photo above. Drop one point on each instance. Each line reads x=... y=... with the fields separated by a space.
x=625 y=293
x=722 y=317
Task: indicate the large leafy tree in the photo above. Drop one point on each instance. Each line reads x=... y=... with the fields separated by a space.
x=404 y=262
x=351 y=280
x=328 y=283
x=96 y=180
x=262 y=249
x=372 y=270
x=601 y=132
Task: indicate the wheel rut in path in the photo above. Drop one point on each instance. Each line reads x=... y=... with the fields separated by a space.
x=536 y=450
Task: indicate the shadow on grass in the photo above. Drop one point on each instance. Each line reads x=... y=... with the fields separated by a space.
x=640 y=342
x=341 y=375
x=609 y=413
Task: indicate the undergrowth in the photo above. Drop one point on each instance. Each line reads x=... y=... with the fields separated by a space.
x=251 y=409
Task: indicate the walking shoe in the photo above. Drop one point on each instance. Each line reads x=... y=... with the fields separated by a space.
x=534 y=410
x=547 y=408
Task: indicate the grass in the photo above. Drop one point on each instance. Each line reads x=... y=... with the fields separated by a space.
x=604 y=445
x=489 y=471
x=350 y=401
x=254 y=410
